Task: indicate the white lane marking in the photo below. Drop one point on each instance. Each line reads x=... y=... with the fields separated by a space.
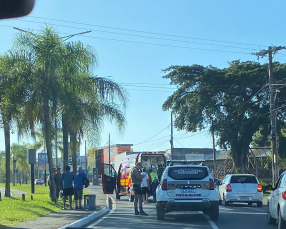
x=213 y=225
x=225 y=208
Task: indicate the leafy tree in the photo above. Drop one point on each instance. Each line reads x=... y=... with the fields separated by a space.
x=13 y=78
x=232 y=102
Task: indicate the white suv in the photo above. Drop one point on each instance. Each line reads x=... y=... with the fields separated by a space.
x=187 y=188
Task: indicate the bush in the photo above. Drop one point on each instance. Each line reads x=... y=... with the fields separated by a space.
x=265 y=187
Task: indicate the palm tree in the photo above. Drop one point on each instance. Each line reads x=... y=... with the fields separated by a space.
x=43 y=51
x=20 y=153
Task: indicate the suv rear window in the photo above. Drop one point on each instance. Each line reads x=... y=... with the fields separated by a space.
x=243 y=179
x=187 y=173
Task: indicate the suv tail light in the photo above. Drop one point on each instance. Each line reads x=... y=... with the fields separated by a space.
x=228 y=188
x=284 y=195
x=259 y=188
x=164 y=185
x=211 y=184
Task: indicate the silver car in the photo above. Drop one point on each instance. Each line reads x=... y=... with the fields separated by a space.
x=243 y=188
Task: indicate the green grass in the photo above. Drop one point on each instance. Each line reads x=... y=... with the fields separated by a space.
x=13 y=210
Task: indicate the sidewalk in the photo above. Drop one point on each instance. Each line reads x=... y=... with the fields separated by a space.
x=65 y=217
x=14 y=192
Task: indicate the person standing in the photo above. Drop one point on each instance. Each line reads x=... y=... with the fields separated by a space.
x=67 y=184
x=136 y=179
x=78 y=187
x=154 y=183
x=145 y=186
x=57 y=180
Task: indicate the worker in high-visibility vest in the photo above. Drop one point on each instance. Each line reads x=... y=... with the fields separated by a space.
x=154 y=183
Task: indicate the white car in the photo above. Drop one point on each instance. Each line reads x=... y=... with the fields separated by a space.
x=276 y=203
x=187 y=188
x=39 y=181
x=243 y=188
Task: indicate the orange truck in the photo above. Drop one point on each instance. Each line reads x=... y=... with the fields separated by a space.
x=117 y=178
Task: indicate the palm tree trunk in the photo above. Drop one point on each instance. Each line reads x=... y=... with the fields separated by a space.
x=8 y=156
x=47 y=129
x=73 y=144
x=65 y=139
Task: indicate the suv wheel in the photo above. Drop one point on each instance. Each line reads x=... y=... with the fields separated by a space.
x=224 y=202
x=160 y=213
x=270 y=219
x=214 y=212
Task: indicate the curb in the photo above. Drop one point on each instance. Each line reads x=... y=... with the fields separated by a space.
x=86 y=220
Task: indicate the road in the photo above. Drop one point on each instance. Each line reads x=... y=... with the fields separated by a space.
x=235 y=216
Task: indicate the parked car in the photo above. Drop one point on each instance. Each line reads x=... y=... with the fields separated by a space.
x=243 y=188
x=39 y=181
x=276 y=204
x=187 y=188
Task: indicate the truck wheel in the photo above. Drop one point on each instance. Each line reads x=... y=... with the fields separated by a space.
x=117 y=196
x=160 y=213
x=214 y=212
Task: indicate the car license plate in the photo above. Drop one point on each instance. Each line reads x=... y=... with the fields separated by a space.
x=188 y=190
x=244 y=198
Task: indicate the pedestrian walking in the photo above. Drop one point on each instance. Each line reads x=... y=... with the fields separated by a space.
x=78 y=187
x=145 y=185
x=57 y=180
x=67 y=184
x=136 y=179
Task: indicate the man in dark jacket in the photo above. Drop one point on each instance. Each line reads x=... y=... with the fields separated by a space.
x=136 y=179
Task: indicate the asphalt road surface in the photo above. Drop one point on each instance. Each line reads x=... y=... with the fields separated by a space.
x=234 y=216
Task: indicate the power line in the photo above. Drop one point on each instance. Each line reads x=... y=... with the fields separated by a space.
x=153 y=136
x=141 y=36
x=147 y=32
x=156 y=44
x=179 y=142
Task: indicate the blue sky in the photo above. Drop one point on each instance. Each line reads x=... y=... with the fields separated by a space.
x=193 y=29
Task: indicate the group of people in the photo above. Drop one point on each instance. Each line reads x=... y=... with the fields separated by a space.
x=142 y=184
x=69 y=185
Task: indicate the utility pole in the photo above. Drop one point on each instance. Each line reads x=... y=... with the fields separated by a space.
x=109 y=155
x=273 y=137
x=172 y=140
x=56 y=143
x=85 y=158
x=214 y=154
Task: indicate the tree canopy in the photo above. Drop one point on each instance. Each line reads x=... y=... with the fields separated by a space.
x=232 y=102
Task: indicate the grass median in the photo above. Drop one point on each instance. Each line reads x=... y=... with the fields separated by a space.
x=14 y=210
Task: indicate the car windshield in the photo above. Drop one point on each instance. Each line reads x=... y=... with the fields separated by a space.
x=243 y=179
x=187 y=173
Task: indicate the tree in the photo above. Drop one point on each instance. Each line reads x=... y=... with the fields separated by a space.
x=232 y=102
x=13 y=78
x=20 y=154
x=43 y=52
